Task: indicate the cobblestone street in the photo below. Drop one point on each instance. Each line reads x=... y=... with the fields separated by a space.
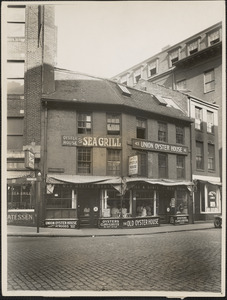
x=180 y=261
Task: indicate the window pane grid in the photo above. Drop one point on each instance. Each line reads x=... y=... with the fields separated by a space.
x=84 y=161
x=162 y=132
x=113 y=162
x=199 y=155
x=162 y=165
x=211 y=158
x=180 y=135
x=84 y=123
x=180 y=167
x=113 y=124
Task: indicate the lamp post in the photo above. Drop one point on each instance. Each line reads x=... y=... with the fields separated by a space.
x=38 y=198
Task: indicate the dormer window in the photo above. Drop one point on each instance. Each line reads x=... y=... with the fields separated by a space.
x=174 y=56
x=124 y=79
x=214 y=37
x=193 y=47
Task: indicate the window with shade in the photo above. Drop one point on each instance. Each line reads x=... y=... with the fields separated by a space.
x=162 y=132
x=162 y=166
x=113 y=162
x=179 y=135
x=113 y=124
x=141 y=128
x=193 y=47
x=152 y=68
x=84 y=123
x=199 y=156
x=173 y=57
x=214 y=37
x=15 y=77
x=198 y=118
x=137 y=75
x=84 y=160
x=180 y=166
x=210 y=122
x=15 y=128
x=211 y=157
x=209 y=81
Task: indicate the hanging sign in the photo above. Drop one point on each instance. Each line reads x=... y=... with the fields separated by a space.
x=133 y=165
x=29 y=160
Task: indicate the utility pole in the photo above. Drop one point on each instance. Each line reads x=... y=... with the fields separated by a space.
x=38 y=198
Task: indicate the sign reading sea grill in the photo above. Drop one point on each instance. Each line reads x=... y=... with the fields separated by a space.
x=155 y=146
x=90 y=141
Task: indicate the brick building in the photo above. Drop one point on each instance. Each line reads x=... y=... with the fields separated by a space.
x=113 y=156
x=30 y=61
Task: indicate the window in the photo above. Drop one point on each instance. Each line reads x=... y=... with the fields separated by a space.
x=84 y=123
x=16 y=22
x=173 y=57
x=162 y=166
x=84 y=161
x=137 y=75
x=15 y=77
x=181 y=85
x=179 y=135
x=152 y=68
x=193 y=47
x=113 y=162
x=209 y=81
x=180 y=166
x=15 y=128
x=113 y=124
x=140 y=128
x=15 y=30
x=162 y=132
x=210 y=122
x=211 y=158
x=198 y=118
x=124 y=79
x=214 y=37
x=199 y=156
x=16 y=14
x=142 y=164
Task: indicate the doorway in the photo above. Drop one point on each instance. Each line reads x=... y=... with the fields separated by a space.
x=165 y=197
x=88 y=207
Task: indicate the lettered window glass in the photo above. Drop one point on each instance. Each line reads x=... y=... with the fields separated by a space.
x=162 y=166
x=113 y=124
x=84 y=161
x=209 y=81
x=199 y=156
x=141 y=128
x=84 y=123
x=113 y=162
x=180 y=135
x=198 y=118
x=162 y=132
x=211 y=157
x=180 y=166
x=210 y=122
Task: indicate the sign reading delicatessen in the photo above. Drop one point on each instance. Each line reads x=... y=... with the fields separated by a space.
x=155 y=146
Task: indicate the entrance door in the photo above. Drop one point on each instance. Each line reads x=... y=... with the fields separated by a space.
x=87 y=203
x=164 y=204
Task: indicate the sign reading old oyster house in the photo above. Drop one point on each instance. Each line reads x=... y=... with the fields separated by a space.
x=90 y=141
x=155 y=146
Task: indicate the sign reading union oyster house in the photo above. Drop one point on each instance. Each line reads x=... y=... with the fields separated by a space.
x=154 y=146
x=90 y=141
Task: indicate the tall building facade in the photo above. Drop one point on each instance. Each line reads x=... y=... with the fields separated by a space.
x=30 y=60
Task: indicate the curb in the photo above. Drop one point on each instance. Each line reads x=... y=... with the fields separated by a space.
x=100 y=235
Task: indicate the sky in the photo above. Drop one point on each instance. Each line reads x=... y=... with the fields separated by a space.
x=108 y=37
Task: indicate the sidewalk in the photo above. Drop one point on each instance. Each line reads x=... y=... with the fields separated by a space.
x=95 y=232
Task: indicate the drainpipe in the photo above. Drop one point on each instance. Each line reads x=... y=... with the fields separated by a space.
x=192 y=199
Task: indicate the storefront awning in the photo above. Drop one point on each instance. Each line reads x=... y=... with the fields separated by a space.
x=78 y=179
x=19 y=177
x=166 y=182
x=210 y=182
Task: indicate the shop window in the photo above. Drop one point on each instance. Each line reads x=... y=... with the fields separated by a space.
x=162 y=165
x=15 y=128
x=113 y=162
x=162 y=132
x=84 y=161
x=180 y=135
x=112 y=207
x=199 y=156
x=209 y=81
x=180 y=166
x=211 y=157
x=113 y=124
x=214 y=37
x=20 y=197
x=181 y=202
x=60 y=198
x=84 y=123
x=210 y=122
x=140 y=128
x=210 y=198
x=144 y=203
x=198 y=118
x=181 y=85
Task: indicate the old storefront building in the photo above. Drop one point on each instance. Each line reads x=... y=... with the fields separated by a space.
x=113 y=156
